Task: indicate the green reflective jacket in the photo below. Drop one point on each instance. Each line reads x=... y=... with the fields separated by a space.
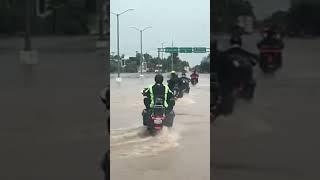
x=167 y=90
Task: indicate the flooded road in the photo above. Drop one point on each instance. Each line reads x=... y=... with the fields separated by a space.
x=276 y=136
x=182 y=152
x=52 y=121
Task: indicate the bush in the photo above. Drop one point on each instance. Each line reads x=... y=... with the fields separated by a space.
x=11 y=21
x=131 y=67
x=113 y=66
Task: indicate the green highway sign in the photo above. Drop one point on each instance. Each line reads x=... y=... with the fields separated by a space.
x=185 y=50
x=199 y=50
x=171 y=50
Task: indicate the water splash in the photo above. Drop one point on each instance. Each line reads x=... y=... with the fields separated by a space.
x=136 y=142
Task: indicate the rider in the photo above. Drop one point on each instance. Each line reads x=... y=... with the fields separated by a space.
x=184 y=82
x=173 y=81
x=195 y=75
x=235 y=66
x=271 y=41
x=158 y=90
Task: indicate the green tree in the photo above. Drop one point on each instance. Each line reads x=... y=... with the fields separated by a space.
x=305 y=18
x=204 y=66
x=226 y=12
x=68 y=17
x=131 y=67
x=12 y=16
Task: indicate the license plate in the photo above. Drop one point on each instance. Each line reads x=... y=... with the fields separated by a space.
x=157 y=121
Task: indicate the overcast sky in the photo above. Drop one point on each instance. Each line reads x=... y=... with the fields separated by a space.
x=264 y=8
x=186 y=22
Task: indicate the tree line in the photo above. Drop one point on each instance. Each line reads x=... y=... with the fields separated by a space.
x=301 y=19
x=226 y=13
x=64 y=17
x=156 y=63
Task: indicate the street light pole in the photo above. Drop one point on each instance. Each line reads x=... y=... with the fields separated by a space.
x=118 y=37
x=118 y=51
x=101 y=8
x=226 y=16
x=28 y=9
x=172 y=58
x=141 y=55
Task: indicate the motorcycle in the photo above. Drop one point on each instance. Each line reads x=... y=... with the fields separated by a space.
x=244 y=84
x=157 y=117
x=176 y=92
x=245 y=90
x=214 y=106
x=270 y=60
x=181 y=88
x=185 y=88
x=194 y=81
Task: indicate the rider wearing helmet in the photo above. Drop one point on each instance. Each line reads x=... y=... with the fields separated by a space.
x=158 y=90
x=234 y=66
x=272 y=42
x=184 y=82
x=173 y=81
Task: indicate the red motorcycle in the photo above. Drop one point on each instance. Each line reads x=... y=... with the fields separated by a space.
x=270 y=59
x=157 y=117
x=194 y=79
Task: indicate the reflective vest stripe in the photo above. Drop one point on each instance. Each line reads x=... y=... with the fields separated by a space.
x=165 y=95
x=151 y=96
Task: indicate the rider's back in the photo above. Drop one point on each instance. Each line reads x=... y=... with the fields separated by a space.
x=172 y=82
x=158 y=90
x=228 y=71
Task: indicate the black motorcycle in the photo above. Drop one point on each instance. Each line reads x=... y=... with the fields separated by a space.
x=177 y=92
x=185 y=87
x=222 y=103
x=243 y=83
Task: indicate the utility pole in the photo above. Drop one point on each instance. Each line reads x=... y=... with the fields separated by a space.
x=101 y=7
x=226 y=15
x=118 y=49
x=141 y=52
x=172 y=58
x=27 y=41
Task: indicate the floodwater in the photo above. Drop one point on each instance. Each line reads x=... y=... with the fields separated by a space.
x=276 y=135
x=182 y=152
